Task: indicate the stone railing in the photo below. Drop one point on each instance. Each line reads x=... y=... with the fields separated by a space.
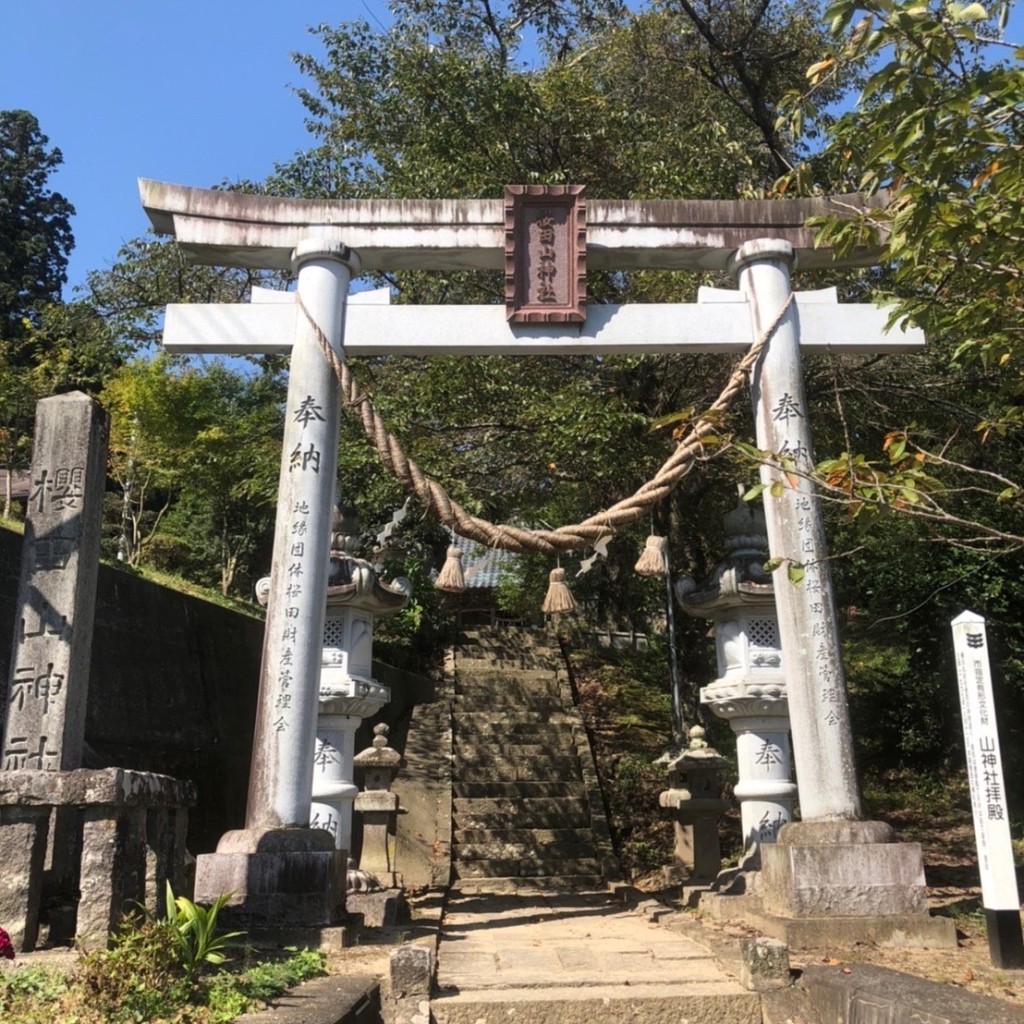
x=129 y=827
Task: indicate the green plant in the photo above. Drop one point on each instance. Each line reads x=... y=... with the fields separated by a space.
x=22 y=990
x=230 y=995
x=194 y=927
x=139 y=978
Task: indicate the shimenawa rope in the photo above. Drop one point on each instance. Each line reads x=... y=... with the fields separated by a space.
x=515 y=538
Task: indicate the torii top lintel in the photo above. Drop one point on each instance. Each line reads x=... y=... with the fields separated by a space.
x=233 y=229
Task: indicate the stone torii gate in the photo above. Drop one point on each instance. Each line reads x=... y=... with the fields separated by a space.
x=329 y=242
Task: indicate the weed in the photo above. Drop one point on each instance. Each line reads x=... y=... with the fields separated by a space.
x=139 y=978
x=195 y=932
x=26 y=988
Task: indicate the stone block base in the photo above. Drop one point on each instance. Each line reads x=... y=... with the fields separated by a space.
x=377 y=909
x=841 y=869
x=277 y=879
x=907 y=931
x=836 y=883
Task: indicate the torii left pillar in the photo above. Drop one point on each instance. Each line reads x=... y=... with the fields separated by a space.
x=282 y=873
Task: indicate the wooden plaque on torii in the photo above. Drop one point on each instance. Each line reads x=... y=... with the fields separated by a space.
x=545 y=254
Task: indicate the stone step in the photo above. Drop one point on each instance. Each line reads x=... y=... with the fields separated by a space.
x=535 y=867
x=537 y=812
x=491 y=720
x=505 y=658
x=721 y=1002
x=474 y=684
x=542 y=732
x=487 y=670
x=463 y=853
x=544 y=756
x=500 y=770
x=526 y=836
x=469 y=750
x=544 y=883
x=503 y=700
x=517 y=789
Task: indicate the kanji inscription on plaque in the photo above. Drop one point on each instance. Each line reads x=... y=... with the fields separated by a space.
x=545 y=254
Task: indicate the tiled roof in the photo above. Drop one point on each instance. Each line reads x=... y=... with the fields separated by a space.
x=482 y=567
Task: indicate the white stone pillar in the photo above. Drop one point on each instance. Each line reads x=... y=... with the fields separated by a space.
x=334 y=790
x=822 y=737
x=348 y=694
x=765 y=790
x=281 y=777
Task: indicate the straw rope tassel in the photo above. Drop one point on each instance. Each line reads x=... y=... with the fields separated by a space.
x=559 y=600
x=450 y=578
x=654 y=559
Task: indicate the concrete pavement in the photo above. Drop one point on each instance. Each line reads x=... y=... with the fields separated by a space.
x=575 y=957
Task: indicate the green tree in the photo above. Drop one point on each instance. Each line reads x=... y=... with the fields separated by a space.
x=35 y=223
x=939 y=123
x=444 y=103
x=204 y=438
x=220 y=529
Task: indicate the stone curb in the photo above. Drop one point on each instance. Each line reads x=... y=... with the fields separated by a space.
x=336 y=999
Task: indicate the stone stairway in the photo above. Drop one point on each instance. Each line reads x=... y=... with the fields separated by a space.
x=526 y=808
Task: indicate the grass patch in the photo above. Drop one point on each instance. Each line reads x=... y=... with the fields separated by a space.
x=935 y=795
x=140 y=979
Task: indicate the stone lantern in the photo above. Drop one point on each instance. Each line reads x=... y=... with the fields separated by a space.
x=378 y=807
x=750 y=691
x=695 y=798
x=348 y=692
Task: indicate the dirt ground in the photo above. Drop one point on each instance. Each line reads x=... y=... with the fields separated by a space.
x=954 y=889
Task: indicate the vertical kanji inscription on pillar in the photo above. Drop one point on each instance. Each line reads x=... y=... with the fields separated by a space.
x=545 y=254
x=48 y=681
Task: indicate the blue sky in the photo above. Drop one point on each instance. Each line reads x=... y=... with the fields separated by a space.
x=187 y=91
x=178 y=90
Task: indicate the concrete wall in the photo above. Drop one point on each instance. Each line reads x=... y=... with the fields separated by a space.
x=173 y=687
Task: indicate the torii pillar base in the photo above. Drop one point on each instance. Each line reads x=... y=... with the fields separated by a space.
x=837 y=883
x=280 y=880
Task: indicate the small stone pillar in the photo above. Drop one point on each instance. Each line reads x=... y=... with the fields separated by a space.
x=48 y=685
x=379 y=808
x=750 y=692
x=695 y=795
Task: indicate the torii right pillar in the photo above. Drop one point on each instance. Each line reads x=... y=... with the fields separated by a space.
x=831 y=877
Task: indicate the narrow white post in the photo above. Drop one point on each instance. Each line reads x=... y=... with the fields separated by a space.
x=281 y=776
x=822 y=737
x=999 y=894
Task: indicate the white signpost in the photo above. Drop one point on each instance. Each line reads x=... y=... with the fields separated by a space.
x=999 y=894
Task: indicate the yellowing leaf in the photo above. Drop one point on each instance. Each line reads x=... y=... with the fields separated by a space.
x=972 y=12
x=816 y=71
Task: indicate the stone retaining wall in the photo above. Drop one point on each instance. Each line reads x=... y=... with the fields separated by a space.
x=173 y=687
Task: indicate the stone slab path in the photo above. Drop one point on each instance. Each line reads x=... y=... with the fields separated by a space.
x=582 y=957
